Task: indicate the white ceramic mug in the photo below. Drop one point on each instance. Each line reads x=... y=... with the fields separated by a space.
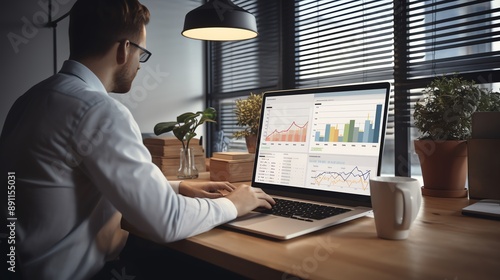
x=395 y=202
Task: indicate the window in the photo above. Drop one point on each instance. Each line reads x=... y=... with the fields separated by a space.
x=308 y=43
x=338 y=42
x=238 y=68
x=442 y=38
x=451 y=36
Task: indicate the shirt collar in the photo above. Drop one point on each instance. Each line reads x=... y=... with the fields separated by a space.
x=81 y=71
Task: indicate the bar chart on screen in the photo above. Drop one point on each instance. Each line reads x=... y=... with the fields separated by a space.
x=360 y=125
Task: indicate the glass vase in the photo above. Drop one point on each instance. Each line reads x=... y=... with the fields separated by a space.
x=187 y=166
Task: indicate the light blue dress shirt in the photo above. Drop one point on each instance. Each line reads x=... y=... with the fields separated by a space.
x=79 y=162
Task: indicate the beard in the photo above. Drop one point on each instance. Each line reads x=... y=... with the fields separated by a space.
x=123 y=79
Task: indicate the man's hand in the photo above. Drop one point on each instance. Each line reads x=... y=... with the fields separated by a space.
x=247 y=198
x=205 y=189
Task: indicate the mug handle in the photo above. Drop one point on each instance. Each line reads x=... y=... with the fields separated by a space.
x=407 y=209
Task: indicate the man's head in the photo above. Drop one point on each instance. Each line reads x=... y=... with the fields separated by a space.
x=96 y=25
x=99 y=27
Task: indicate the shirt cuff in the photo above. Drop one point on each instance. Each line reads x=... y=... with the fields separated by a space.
x=175 y=185
x=227 y=205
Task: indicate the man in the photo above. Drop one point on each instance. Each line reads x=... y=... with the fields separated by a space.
x=77 y=162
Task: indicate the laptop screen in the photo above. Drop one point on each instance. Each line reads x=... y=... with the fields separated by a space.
x=325 y=141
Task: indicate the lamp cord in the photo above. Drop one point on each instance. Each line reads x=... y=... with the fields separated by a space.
x=53 y=25
x=54 y=37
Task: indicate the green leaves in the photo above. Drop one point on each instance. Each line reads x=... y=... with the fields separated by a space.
x=164 y=127
x=208 y=115
x=490 y=101
x=186 y=124
x=445 y=111
x=248 y=115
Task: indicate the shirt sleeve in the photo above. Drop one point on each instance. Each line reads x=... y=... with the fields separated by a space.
x=109 y=143
x=175 y=185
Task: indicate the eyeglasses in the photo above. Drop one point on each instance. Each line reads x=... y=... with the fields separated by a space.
x=145 y=55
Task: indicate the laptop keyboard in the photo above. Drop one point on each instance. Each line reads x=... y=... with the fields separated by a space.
x=302 y=210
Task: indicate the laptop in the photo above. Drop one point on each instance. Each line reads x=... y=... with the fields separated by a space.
x=317 y=146
x=484 y=208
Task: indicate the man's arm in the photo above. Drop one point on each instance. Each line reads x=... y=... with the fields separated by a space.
x=120 y=166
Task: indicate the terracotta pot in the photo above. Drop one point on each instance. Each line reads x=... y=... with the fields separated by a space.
x=251 y=142
x=444 y=167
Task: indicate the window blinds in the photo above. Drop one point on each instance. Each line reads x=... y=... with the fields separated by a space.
x=326 y=42
x=338 y=42
x=243 y=66
x=238 y=68
x=446 y=37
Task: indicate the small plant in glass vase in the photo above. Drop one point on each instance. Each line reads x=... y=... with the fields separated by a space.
x=184 y=129
x=248 y=115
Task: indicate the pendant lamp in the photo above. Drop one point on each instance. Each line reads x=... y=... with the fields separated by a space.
x=219 y=20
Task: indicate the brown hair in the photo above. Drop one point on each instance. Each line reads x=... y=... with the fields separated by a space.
x=95 y=25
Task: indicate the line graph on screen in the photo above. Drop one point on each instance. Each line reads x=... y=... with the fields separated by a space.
x=338 y=178
x=286 y=125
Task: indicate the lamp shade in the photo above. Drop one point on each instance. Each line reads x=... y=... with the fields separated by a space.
x=220 y=20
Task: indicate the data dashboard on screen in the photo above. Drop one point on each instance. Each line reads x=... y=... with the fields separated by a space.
x=322 y=140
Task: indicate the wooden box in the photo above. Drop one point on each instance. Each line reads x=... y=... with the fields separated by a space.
x=222 y=168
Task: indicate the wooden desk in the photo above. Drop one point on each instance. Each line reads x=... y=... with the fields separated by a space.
x=443 y=244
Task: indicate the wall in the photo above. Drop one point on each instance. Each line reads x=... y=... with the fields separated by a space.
x=170 y=83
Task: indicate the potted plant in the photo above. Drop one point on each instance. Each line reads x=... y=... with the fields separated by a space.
x=443 y=116
x=184 y=129
x=248 y=116
x=489 y=102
